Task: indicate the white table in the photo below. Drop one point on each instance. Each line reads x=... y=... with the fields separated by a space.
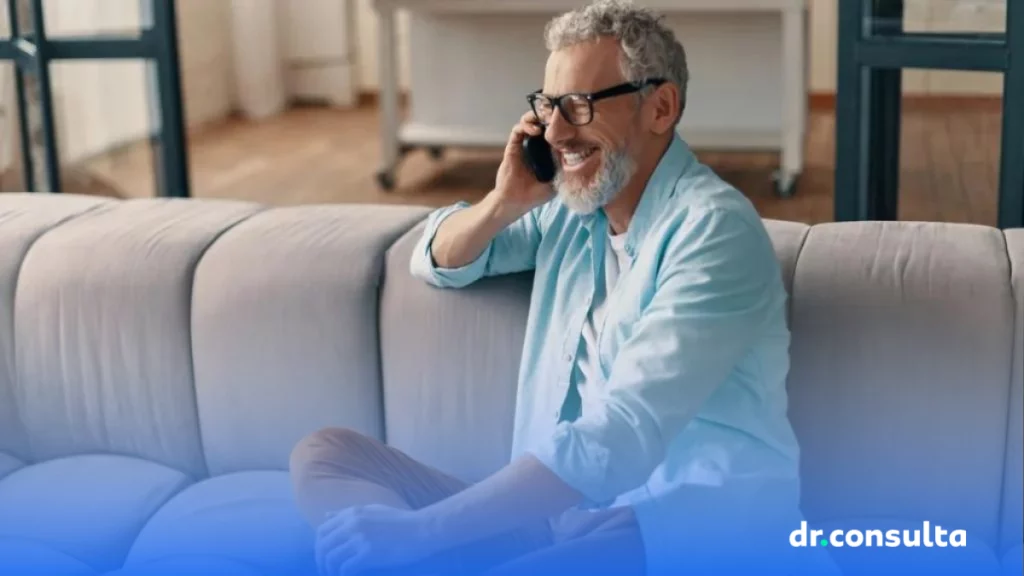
x=474 y=61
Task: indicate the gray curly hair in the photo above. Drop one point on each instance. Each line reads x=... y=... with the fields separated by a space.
x=650 y=49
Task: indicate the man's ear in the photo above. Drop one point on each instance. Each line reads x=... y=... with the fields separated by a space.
x=665 y=108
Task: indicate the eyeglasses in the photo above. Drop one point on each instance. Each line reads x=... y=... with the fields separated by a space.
x=578 y=108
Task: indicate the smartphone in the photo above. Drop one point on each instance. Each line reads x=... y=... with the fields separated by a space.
x=539 y=158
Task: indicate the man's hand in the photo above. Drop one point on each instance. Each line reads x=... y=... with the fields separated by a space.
x=465 y=234
x=516 y=190
x=366 y=537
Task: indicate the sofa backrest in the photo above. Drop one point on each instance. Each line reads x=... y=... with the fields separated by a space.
x=450 y=362
x=206 y=336
x=900 y=381
x=285 y=337
x=22 y=222
x=102 y=325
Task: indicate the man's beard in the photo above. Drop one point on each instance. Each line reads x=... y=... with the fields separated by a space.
x=617 y=169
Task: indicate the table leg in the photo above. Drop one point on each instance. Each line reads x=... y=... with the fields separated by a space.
x=388 y=71
x=794 y=100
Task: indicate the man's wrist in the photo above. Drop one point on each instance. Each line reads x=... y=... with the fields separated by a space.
x=499 y=211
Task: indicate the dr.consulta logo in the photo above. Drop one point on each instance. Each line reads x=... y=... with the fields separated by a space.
x=927 y=536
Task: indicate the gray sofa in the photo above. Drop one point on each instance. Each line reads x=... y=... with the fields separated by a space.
x=160 y=358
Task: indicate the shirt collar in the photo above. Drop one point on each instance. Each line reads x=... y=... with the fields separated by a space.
x=677 y=159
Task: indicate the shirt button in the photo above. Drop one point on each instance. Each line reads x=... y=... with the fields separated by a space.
x=568 y=357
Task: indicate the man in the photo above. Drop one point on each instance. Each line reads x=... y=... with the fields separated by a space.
x=651 y=421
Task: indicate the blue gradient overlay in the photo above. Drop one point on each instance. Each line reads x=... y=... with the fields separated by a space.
x=93 y=515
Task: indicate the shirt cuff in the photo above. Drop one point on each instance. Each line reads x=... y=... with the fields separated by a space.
x=423 y=266
x=580 y=463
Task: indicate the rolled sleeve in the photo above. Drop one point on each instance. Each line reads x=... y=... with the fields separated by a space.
x=512 y=250
x=422 y=265
x=717 y=288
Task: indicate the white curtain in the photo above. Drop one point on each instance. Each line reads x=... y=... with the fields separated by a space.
x=292 y=49
x=258 y=62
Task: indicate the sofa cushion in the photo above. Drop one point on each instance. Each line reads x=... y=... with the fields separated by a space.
x=861 y=555
x=900 y=378
x=90 y=508
x=248 y=517
x=429 y=406
x=284 y=326
x=23 y=219
x=25 y=557
x=787 y=238
x=8 y=464
x=1013 y=561
x=197 y=566
x=104 y=354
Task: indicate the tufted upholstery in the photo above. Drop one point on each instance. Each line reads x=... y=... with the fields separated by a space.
x=160 y=358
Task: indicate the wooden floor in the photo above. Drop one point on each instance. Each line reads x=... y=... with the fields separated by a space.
x=949 y=166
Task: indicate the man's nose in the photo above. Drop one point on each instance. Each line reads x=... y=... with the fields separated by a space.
x=559 y=129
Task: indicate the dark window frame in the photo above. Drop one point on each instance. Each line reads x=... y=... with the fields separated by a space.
x=157 y=42
x=873 y=51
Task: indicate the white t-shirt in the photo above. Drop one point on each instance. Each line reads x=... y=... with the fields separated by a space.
x=587 y=369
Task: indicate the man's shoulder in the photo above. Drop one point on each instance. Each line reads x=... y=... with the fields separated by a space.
x=708 y=227
x=702 y=202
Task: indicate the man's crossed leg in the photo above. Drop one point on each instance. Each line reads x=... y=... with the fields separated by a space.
x=336 y=468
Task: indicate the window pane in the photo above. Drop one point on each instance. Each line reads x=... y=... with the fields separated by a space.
x=941 y=16
x=93 y=17
x=950 y=147
x=10 y=177
x=966 y=16
x=102 y=111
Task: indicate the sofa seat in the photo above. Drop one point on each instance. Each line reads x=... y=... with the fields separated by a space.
x=977 y=558
x=31 y=558
x=105 y=514
x=195 y=566
x=89 y=508
x=246 y=519
x=1013 y=561
x=8 y=464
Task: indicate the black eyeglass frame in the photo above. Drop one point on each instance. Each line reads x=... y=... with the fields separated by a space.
x=589 y=98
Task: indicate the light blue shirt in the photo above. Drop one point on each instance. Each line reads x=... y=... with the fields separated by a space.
x=694 y=354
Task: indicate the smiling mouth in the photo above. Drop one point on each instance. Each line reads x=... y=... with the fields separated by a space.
x=576 y=157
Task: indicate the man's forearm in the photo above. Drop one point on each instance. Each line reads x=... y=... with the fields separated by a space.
x=523 y=492
x=463 y=236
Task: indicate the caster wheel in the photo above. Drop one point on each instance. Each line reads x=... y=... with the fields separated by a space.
x=386 y=180
x=785 y=184
x=436 y=152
